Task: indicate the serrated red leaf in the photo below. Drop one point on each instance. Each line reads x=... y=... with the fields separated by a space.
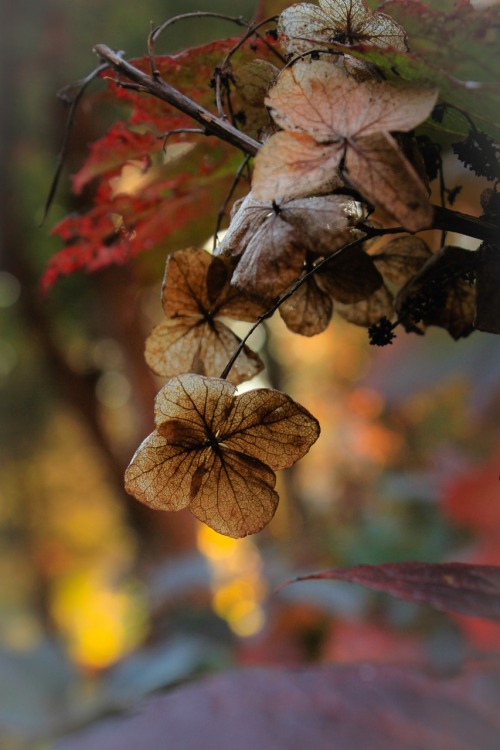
x=472 y=590
x=110 y=153
x=190 y=72
x=176 y=208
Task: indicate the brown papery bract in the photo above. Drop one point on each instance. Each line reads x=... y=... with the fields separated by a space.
x=369 y=311
x=271 y=239
x=348 y=277
x=334 y=122
x=305 y=26
x=216 y=453
x=441 y=294
x=401 y=258
x=196 y=292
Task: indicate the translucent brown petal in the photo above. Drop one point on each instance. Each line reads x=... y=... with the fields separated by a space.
x=216 y=453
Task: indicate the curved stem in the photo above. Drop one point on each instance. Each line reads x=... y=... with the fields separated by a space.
x=167 y=93
x=453 y=221
x=291 y=291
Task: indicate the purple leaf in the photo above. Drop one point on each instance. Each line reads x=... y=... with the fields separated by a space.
x=472 y=590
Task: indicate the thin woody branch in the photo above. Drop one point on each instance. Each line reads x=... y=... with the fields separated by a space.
x=212 y=124
x=444 y=218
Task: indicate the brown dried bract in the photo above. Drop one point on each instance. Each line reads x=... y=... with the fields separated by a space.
x=304 y=26
x=251 y=83
x=401 y=258
x=333 y=123
x=196 y=292
x=216 y=453
x=348 y=277
x=309 y=310
x=271 y=239
x=441 y=294
x=369 y=311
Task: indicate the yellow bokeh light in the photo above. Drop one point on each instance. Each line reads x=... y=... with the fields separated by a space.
x=237 y=582
x=246 y=618
x=100 y=621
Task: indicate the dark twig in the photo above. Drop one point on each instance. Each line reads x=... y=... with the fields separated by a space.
x=444 y=218
x=177 y=131
x=251 y=31
x=158 y=30
x=284 y=297
x=71 y=96
x=167 y=93
x=234 y=184
x=453 y=221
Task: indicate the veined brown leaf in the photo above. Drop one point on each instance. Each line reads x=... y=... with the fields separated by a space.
x=348 y=124
x=441 y=294
x=369 y=311
x=272 y=238
x=305 y=26
x=309 y=310
x=216 y=453
x=401 y=258
x=349 y=276
x=196 y=293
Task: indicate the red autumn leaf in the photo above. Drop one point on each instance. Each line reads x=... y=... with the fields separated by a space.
x=192 y=338
x=333 y=121
x=472 y=590
x=190 y=71
x=216 y=453
x=176 y=206
x=327 y=707
x=109 y=154
x=305 y=26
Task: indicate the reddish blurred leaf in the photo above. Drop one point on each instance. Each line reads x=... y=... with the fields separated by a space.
x=472 y=500
x=339 y=707
x=175 y=206
x=472 y=590
x=216 y=453
x=191 y=72
x=196 y=293
x=109 y=154
x=180 y=193
x=353 y=641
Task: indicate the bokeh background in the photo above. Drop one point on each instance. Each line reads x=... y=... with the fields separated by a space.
x=103 y=601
